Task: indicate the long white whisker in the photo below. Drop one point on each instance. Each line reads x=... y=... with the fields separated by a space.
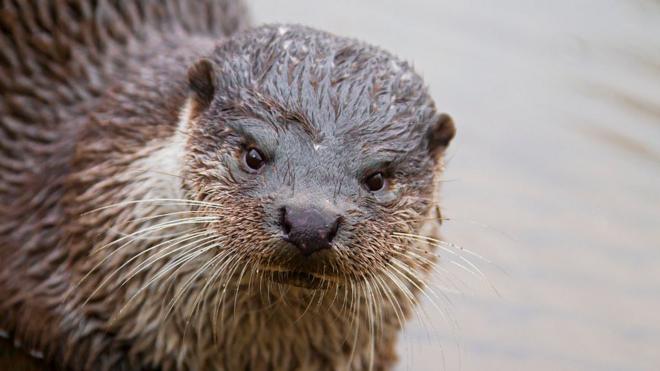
x=164 y=201
x=163 y=271
x=160 y=226
x=112 y=274
x=152 y=259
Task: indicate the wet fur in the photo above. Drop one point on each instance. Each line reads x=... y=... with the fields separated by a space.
x=90 y=125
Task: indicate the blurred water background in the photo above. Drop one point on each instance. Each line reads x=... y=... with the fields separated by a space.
x=554 y=176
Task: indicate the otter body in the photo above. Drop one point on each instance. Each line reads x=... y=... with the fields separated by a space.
x=179 y=193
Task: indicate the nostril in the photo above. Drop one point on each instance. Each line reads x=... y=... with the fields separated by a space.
x=334 y=227
x=284 y=221
x=310 y=229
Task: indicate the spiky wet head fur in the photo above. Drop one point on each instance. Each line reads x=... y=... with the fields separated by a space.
x=326 y=112
x=176 y=251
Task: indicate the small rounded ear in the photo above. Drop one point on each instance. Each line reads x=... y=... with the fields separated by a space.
x=440 y=133
x=202 y=84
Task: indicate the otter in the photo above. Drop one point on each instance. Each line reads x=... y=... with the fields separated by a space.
x=180 y=191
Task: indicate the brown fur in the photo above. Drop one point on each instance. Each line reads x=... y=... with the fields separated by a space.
x=93 y=97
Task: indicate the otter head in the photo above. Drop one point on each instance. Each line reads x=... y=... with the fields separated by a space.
x=317 y=154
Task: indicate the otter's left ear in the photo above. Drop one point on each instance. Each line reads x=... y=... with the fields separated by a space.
x=440 y=133
x=202 y=84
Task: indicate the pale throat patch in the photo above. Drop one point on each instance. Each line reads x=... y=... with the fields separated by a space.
x=159 y=174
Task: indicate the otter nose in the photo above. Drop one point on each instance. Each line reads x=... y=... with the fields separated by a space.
x=310 y=229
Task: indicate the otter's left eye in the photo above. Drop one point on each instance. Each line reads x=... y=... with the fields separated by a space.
x=254 y=159
x=375 y=182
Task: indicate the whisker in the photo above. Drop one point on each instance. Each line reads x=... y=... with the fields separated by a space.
x=396 y=307
x=428 y=263
x=194 y=278
x=163 y=201
x=178 y=262
x=438 y=242
x=411 y=277
x=112 y=274
x=152 y=217
x=226 y=259
x=234 y=265
x=238 y=287
x=152 y=259
x=160 y=226
x=218 y=260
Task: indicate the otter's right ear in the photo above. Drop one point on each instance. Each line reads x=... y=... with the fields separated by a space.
x=440 y=133
x=202 y=84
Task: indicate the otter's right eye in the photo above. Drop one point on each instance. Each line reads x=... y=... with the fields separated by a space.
x=254 y=159
x=375 y=182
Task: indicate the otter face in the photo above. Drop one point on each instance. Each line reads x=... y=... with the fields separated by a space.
x=321 y=153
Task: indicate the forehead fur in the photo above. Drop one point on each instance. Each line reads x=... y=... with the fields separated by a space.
x=331 y=85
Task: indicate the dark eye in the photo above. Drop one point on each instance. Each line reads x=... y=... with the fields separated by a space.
x=375 y=182
x=254 y=159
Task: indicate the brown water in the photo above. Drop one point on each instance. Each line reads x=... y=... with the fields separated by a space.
x=554 y=176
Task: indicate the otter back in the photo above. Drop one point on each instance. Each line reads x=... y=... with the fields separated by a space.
x=56 y=57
